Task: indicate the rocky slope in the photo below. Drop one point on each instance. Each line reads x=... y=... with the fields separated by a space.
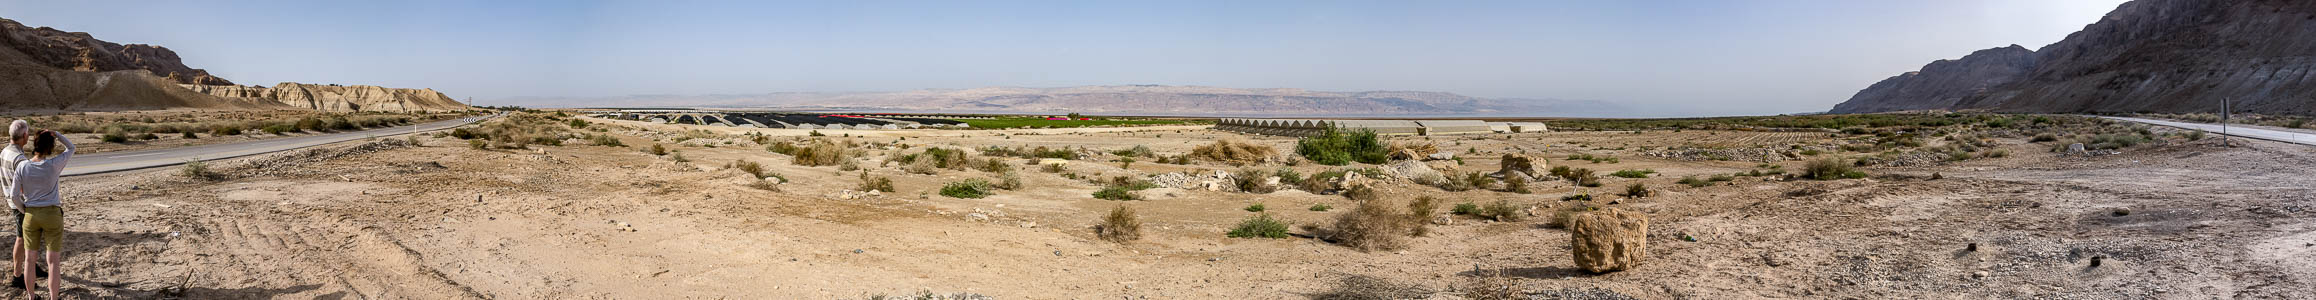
x=1126 y=99
x=333 y=97
x=2146 y=56
x=78 y=51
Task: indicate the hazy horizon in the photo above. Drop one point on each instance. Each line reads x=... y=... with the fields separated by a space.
x=1683 y=58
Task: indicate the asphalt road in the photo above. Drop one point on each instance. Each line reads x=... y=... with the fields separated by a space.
x=2272 y=135
x=94 y=163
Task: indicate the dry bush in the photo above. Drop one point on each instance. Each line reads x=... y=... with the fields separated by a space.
x=1516 y=184
x=1234 y=153
x=875 y=183
x=1373 y=225
x=750 y=167
x=820 y=153
x=1501 y=211
x=1008 y=181
x=1419 y=212
x=1560 y=216
x=1362 y=287
x=1361 y=193
x=1254 y=181
x=1830 y=169
x=1121 y=225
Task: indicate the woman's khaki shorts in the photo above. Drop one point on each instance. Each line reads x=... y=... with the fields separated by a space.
x=44 y=228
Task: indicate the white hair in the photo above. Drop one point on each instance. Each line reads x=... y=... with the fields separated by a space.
x=19 y=128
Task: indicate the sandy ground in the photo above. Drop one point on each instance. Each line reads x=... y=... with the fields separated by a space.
x=373 y=219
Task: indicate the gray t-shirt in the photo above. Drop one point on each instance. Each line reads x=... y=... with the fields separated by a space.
x=36 y=180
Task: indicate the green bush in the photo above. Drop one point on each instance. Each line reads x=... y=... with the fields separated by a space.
x=279 y=129
x=968 y=189
x=224 y=130
x=1116 y=193
x=1830 y=169
x=1636 y=190
x=1262 y=226
x=114 y=138
x=1692 y=181
x=478 y=144
x=1633 y=173
x=1335 y=148
x=1320 y=207
x=655 y=149
x=1257 y=207
x=605 y=140
x=1465 y=208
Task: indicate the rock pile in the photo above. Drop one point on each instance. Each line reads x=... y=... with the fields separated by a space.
x=1528 y=167
x=1608 y=240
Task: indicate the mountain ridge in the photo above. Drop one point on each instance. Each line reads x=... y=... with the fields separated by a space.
x=1110 y=99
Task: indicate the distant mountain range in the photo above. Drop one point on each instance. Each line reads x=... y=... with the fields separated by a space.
x=1116 y=100
x=2145 y=56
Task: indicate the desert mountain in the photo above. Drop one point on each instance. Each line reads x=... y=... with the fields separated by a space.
x=2145 y=56
x=1122 y=99
x=336 y=97
x=48 y=69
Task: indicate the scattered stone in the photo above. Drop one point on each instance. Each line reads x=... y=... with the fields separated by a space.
x=858 y=251
x=1608 y=240
x=2077 y=149
x=1441 y=156
x=1443 y=220
x=1979 y=274
x=1522 y=165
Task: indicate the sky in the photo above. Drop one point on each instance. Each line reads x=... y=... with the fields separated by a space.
x=1674 y=58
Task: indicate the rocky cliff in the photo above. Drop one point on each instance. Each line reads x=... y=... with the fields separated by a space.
x=2145 y=56
x=78 y=51
x=337 y=97
x=1942 y=83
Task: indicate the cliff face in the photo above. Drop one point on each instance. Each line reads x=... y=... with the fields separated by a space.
x=1942 y=83
x=78 y=51
x=337 y=98
x=2157 y=56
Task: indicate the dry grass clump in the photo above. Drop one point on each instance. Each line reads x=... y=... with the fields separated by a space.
x=1560 y=216
x=1830 y=169
x=1501 y=211
x=875 y=183
x=818 y=153
x=1233 y=153
x=1373 y=225
x=1361 y=193
x=1362 y=287
x=1120 y=226
x=1254 y=181
x=933 y=159
x=1419 y=213
x=1637 y=190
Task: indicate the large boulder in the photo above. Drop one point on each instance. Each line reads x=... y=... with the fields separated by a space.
x=1529 y=167
x=1608 y=240
x=1412 y=170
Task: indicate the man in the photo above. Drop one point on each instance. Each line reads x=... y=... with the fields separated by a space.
x=18 y=133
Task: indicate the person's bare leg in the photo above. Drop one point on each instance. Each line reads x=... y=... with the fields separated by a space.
x=54 y=280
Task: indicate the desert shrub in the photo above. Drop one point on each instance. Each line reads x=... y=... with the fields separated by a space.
x=1320 y=182
x=993 y=165
x=1583 y=177
x=1136 y=151
x=1117 y=193
x=1722 y=177
x=655 y=149
x=1501 y=211
x=148 y=136
x=752 y=168
x=1516 y=184
x=111 y=137
x=1052 y=168
x=1361 y=193
x=577 y=123
x=821 y=153
x=875 y=183
x=1423 y=207
x=1636 y=190
x=815 y=133
x=1321 y=207
x=1008 y=181
x=968 y=189
x=677 y=157
x=189 y=135
x=224 y=130
x=1371 y=226
x=1335 y=147
x=1644 y=173
x=1257 y=207
x=1253 y=181
x=1120 y=226
x=1262 y=226
x=605 y=140
x=1232 y=152
x=195 y=169
x=1466 y=208
x=340 y=123
x=1559 y=218
x=2045 y=137
x=1692 y=181
x=464 y=134
x=1830 y=169
x=1289 y=176
x=478 y=144
x=1580 y=196
x=937 y=158
x=310 y=124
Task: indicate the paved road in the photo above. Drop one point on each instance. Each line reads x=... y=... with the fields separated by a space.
x=2272 y=135
x=94 y=163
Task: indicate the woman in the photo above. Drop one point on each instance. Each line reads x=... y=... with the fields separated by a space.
x=36 y=182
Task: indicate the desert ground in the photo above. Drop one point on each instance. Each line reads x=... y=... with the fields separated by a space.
x=436 y=216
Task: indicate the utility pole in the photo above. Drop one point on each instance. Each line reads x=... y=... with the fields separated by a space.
x=2224 y=112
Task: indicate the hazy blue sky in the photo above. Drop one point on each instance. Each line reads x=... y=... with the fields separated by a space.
x=1685 y=57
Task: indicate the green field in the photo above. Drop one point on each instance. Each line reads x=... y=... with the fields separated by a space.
x=1043 y=123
